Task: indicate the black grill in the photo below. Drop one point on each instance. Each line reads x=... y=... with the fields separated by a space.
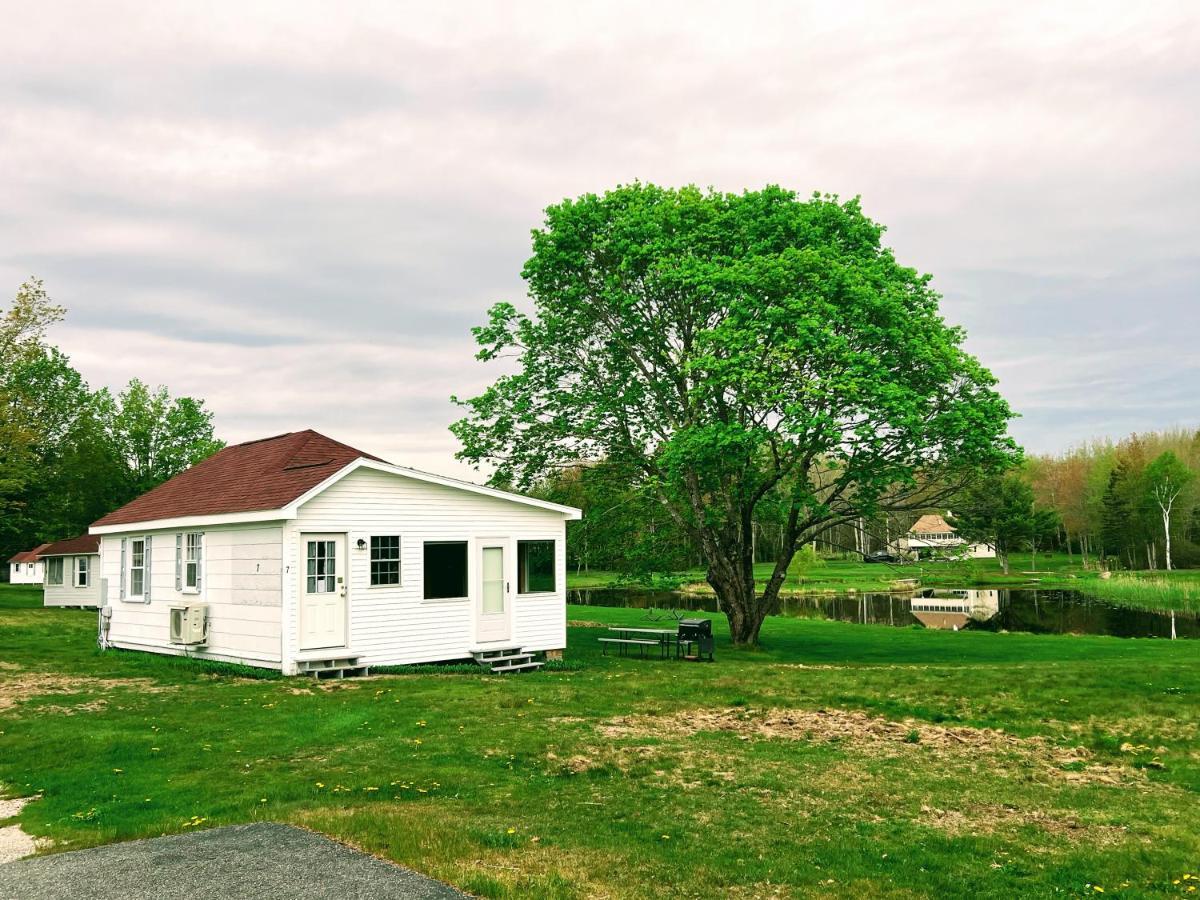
x=694 y=629
x=695 y=640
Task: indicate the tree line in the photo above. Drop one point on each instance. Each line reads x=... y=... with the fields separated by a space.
x=68 y=453
x=1128 y=504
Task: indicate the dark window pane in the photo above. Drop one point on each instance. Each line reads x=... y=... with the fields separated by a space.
x=385 y=559
x=445 y=569
x=535 y=566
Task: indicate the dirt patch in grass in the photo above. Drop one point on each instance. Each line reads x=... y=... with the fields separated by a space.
x=14 y=842
x=990 y=819
x=874 y=736
x=20 y=688
x=584 y=623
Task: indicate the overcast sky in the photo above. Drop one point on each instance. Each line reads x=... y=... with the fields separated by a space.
x=296 y=211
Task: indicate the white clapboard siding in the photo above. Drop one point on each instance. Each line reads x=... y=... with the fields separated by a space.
x=67 y=594
x=240 y=582
x=396 y=625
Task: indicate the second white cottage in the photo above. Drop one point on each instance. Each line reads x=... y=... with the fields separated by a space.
x=302 y=554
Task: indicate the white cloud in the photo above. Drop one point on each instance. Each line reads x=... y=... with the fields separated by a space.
x=296 y=210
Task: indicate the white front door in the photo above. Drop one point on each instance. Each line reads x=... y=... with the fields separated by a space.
x=491 y=612
x=322 y=591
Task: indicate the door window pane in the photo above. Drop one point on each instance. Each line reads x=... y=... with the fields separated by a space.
x=445 y=565
x=321 y=568
x=535 y=567
x=493 y=580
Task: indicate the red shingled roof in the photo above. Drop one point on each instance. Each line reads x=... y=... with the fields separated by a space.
x=258 y=475
x=84 y=543
x=28 y=555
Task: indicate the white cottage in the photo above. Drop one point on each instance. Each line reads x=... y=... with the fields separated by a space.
x=71 y=571
x=932 y=536
x=302 y=554
x=26 y=567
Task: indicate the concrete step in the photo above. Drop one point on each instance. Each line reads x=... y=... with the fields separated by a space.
x=518 y=667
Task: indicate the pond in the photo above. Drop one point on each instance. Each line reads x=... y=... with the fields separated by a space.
x=1037 y=611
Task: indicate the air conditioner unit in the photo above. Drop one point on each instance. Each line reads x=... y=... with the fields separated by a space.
x=189 y=624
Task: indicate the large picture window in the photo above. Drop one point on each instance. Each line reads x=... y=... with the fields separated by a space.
x=54 y=570
x=83 y=573
x=535 y=567
x=385 y=559
x=445 y=565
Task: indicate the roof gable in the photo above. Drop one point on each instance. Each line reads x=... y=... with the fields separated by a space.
x=77 y=546
x=932 y=524
x=258 y=475
x=28 y=555
x=274 y=474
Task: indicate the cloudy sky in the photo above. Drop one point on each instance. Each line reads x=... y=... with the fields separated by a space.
x=296 y=211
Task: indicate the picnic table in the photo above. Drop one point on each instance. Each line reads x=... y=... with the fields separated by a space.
x=641 y=638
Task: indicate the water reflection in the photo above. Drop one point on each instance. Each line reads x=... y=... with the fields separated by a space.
x=1038 y=611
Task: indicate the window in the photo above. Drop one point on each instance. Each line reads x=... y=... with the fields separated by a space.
x=54 y=570
x=83 y=573
x=137 y=566
x=385 y=559
x=445 y=569
x=191 y=561
x=535 y=567
x=322 y=567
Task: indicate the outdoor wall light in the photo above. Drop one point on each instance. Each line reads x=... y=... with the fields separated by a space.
x=362 y=543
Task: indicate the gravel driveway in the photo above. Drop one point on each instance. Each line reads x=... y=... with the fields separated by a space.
x=263 y=860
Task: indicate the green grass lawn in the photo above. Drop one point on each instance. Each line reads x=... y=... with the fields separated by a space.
x=839 y=760
x=1179 y=590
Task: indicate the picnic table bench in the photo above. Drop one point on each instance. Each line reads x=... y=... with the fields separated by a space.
x=650 y=637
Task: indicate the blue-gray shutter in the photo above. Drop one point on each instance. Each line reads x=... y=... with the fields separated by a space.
x=199 y=560
x=179 y=561
x=147 y=579
x=124 y=541
x=72 y=572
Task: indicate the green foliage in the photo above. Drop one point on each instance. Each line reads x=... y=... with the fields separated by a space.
x=727 y=351
x=68 y=455
x=804 y=561
x=1001 y=511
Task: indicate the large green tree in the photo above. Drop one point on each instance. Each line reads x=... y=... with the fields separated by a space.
x=722 y=348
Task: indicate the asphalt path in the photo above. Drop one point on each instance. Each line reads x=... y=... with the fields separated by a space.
x=263 y=860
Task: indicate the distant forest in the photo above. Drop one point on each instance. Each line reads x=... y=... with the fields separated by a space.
x=1099 y=502
x=68 y=453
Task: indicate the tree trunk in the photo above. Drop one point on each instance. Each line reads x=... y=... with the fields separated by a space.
x=1167 y=534
x=1002 y=556
x=743 y=608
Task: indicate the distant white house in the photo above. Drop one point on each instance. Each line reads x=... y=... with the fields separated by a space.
x=302 y=554
x=931 y=535
x=72 y=577
x=26 y=567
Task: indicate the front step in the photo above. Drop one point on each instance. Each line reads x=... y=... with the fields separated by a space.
x=331 y=667
x=507 y=659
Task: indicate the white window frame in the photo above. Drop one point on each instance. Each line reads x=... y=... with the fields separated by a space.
x=553 y=563
x=83 y=572
x=192 y=541
x=140 y=595
x=50 y=571
x=397 y=559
